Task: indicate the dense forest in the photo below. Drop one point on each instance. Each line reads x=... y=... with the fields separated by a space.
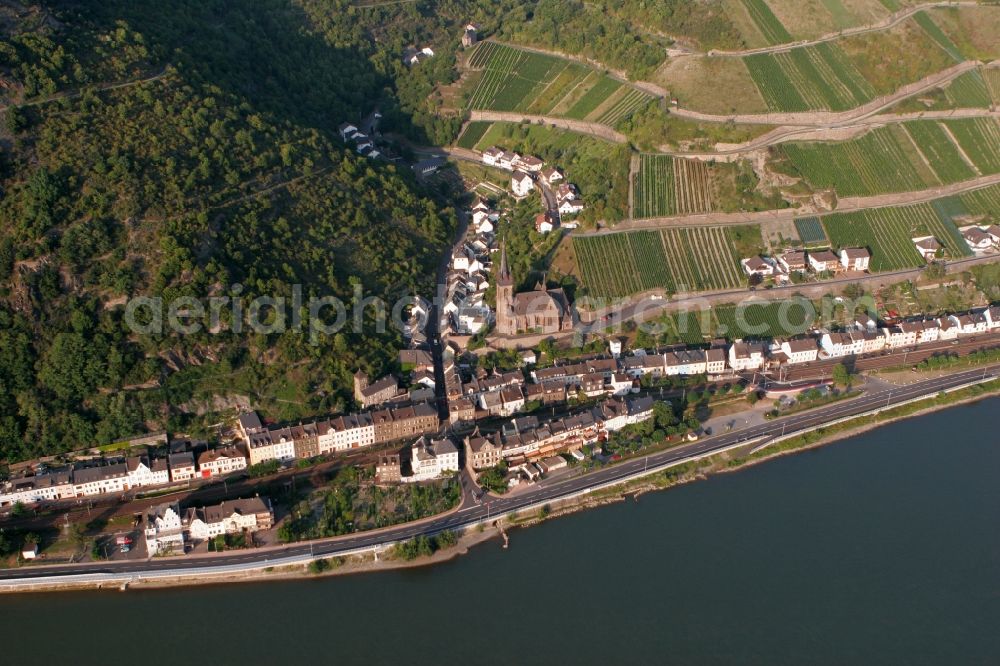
x=189 y=149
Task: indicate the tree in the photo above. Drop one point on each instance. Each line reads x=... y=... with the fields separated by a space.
x=841 y=375
x=753 y=397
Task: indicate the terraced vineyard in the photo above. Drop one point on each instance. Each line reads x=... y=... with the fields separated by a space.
x=941 y=152
x=969 y=91
x=985 y=201
x=515 y=79
x=472 y=134
x=809 y=78
x=887 y=232
x=667 y=186
x=992 y=77
x=980 y=140
x=768 y=24
x=673 y=259
x=878 y=162
x=653 y=187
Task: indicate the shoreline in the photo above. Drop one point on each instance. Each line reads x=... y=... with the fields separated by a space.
x=719 y=463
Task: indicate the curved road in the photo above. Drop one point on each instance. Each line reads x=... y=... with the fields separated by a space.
x=557 y=490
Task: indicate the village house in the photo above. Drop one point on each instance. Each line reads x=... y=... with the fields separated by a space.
x=100 y=479
x=757 y=266
x=483 y=452
x=715 y=361
x=928 y=247
x=685 y=362
x=521 y=184
x=823 y=261
x=528 y=163
x=899 y=336
x=271 y=444
x=469 y=37
x=221 y=461
x=746 y=355
x=544 y=223
x=992 y=315
x=163 y=530
x=229 y=517
x=994 y=233
x=388 y=469
x=431 y=459
x=347 y=131
x=369 y=394
x=971 y=323
x=552 y=175
x=977 y=239
x=855 y=258
x=794 y=261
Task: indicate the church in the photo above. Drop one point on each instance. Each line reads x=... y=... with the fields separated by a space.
x=539 y=311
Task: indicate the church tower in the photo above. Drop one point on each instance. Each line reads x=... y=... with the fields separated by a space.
x=506 y=325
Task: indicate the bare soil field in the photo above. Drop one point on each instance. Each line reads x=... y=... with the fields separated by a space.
x=731 y=90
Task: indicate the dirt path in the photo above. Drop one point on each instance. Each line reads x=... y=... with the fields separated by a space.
x=834 y=118
x=37 y=101
x=580 y=126
x=845 y=205
x=890 y=21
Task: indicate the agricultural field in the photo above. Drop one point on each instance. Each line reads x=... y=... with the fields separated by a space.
x=512 y=79
x=941 y=152
x=733 y=90
x=472 y=134
x=810 y=231
x=765 y=20
x=969 y=91
x=985 y=201
x=887 y=233
x=992 y=77
x=980 y=140
x=673 y=259
x=809 y=19
x=878 y=162
x=809 y=78
x=666 y=186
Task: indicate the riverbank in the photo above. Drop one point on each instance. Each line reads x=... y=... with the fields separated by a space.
x=381 y=558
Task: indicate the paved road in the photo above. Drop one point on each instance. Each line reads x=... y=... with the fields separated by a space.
x=544 y=492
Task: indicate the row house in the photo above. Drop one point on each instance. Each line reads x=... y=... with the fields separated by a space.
x=901 y=335
x=838 y=344
x=142 y=473
x=715 y=361
x=800 y=350
x=351 y=431
x=504 y=402
x=273 y=444
x=218 y=462
x=405 y=422
x=685 y=362
x=972 y=323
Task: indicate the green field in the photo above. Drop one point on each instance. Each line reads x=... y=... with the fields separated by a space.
x=766 y=319
x=991 y=75
x=513 y=79
x=980 y=139
x=877 y=162
x=674 y=259
x=767 y=22
x=810 y=231
x=816 y=77
x=887 y=233
x=472 y=134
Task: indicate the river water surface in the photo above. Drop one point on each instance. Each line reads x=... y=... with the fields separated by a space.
x=881 y=549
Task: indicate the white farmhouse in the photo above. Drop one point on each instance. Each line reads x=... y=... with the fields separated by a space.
x=521 y=184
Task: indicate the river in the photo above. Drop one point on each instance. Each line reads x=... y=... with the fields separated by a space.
x=884 y=548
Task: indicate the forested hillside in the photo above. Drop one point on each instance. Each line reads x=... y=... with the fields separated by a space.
x=182 y=148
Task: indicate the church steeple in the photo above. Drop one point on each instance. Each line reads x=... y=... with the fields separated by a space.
x=504 y=277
